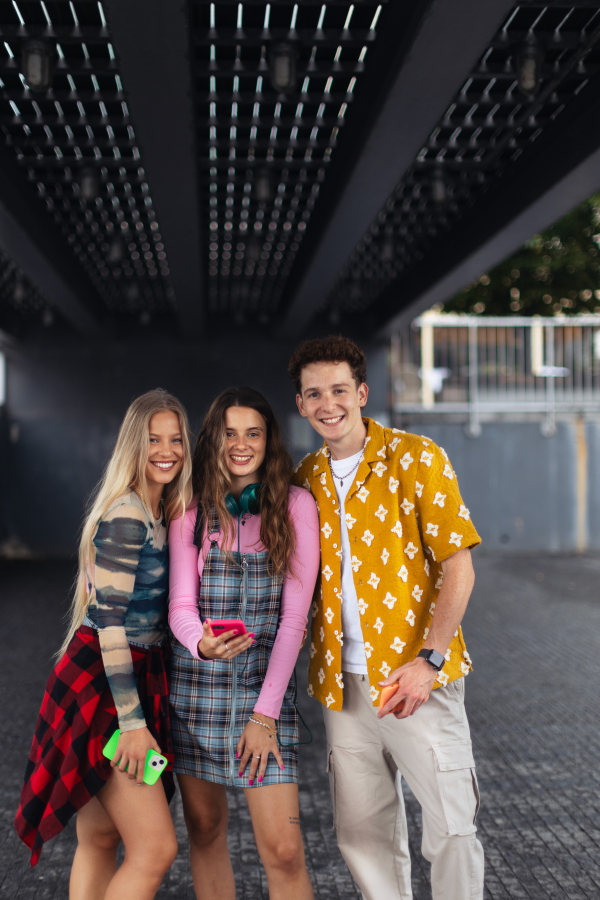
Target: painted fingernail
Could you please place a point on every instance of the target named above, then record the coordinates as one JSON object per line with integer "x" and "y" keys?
{"x": 283, "y": 767}
{"x": 236, "y": 631}
{"x": 251, "y": 782}
{"x": 260, "y": 779}
{"x": 252, "y": 633}
{"x": 240, "y": 774}
{"x": 236, "y": 755}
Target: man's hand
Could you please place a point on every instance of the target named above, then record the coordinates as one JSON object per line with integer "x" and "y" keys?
{"x": 415, "y": 681}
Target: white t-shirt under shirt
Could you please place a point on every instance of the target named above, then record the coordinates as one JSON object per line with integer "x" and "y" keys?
{"x": 353, "y": 648}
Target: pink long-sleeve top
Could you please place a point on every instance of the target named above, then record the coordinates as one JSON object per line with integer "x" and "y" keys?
{"x": 186, "y": 564}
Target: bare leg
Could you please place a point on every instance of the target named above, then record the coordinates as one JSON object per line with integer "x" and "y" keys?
{"x": 206, "y": 814}
{"x": 95, "y": 860}
{"x": 141, "y": 816}
{"x": 276, "y": 820}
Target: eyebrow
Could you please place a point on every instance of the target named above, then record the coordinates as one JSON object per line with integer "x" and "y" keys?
{"x": 337, "y": 385}
{"x": 175, "y": 434}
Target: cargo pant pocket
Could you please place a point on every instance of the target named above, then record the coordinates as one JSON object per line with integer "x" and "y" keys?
{"x": 331, "y": 773}
{"x": 457, "y": 782}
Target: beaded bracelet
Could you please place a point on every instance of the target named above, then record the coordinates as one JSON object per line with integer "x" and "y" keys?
{"x": 270, "y": 729}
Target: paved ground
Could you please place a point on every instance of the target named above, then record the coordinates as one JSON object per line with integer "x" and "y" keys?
{"x": 533, "y": 630}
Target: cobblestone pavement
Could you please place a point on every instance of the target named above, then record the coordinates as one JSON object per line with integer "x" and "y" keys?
{"x": 533, "y": 630}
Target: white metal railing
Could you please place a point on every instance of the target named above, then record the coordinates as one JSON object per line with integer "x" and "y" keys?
{"x": 485, "y": 365}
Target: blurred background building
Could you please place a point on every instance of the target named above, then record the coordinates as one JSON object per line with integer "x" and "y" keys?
{"x": 187, "y": 190}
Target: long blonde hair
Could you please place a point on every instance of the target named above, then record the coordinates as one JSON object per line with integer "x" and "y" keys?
{"x": 126, "y": 469}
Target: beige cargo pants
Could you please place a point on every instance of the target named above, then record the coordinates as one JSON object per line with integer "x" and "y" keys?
{"x": 432, "y": 751}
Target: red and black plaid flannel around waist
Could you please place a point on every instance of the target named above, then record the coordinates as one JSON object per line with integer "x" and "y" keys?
{"x": 66, "y": 767}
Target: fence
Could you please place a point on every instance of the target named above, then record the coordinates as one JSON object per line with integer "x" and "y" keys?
{"x": 487, "y": 366}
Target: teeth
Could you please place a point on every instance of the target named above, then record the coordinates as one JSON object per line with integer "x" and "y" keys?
{"x": 332, "y": 421}
{"x": 167, "y": 465}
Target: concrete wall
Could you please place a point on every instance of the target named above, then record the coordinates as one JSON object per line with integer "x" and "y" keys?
{"x": 65, "y": 404}
{"x": 526, "y": 491}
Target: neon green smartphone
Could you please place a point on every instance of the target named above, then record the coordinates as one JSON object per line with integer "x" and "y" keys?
{"x": 155, "y": 763}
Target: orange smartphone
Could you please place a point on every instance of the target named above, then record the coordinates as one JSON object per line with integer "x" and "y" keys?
{"x": 386, "y": 692}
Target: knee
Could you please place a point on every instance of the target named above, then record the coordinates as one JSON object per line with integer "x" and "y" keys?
{"x": 168, "y": 853}
{"x": 157, "y": 857}
{"x": 206, "y": 826}
{"x": 104, "y": 840}
{"x": 285, "y": 855}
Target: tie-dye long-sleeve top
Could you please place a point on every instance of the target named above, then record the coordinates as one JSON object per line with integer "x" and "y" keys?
{"x": 128, "y": 599}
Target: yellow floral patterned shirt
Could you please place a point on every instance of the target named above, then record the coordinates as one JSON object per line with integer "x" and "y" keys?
{"x": 404, "y": 515}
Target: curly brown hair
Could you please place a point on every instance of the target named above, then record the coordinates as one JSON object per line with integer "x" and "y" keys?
{"x": 335, "y": 348}
{"x": 211, "y": 480}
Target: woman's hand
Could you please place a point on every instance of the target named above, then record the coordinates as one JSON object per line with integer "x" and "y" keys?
{"x": 226, "y": 646}
{"x": 132, "y": 751}
{"x": 255, "y": 745}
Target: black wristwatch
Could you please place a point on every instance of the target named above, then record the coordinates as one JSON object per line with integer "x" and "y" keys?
{"x": 434, "y": 659}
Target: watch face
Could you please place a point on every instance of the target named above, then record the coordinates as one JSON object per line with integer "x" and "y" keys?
{"x": 436, "y": 659}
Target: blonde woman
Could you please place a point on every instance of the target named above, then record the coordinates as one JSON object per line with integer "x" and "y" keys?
{"x": 111, "y": 671}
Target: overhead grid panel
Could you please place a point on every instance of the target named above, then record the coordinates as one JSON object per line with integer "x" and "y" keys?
{"x": 64, "y": 113}
{"x": 537, "y": 62}
{"x": 19, "y": 299}
{"x": 275, "y": 84}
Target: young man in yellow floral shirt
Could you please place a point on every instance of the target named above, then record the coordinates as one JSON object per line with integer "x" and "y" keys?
{"x": 396, "y": 576}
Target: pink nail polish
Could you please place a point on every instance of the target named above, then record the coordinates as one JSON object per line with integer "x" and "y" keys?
{"x": 283, "y": 767}
{"x": 252, "y": 633}
{"x": 236, "y": 755}
{"x": 251, "y": 782}
{"x": 260, "y": 779}
{"x": 236, "y": 632}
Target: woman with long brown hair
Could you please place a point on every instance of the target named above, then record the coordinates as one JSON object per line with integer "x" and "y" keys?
{"x": 248, "y": 553}
{"x": 110, "y": 672}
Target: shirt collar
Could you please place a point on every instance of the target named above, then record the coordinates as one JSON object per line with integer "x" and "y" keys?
{"x": 374, "y": 445}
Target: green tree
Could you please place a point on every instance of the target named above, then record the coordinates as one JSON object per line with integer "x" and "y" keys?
{"x": 556, "y": 271}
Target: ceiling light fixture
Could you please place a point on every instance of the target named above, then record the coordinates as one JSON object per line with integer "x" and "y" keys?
{"x": 529, "y": 67}
{"x": 37, "y": 65}
{"x": 264, "y": 186}
{"x": 88, "y": 183}
{"x": 439, "y": 193}
{"x": 282, "y": 59}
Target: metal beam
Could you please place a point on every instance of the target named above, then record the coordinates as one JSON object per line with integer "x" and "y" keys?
{"x": 548, "y": 182}
{"x": 28, "y": 236}
{"x": 152, "y": 40}
{"x": 446, "y": 48}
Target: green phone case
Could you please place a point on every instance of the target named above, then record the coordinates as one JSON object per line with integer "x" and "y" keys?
{"x": 155, "y": 763}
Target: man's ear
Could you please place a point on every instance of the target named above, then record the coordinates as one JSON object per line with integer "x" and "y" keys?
{"x": 363, "y": 393}
{"x": 300, "y": 406}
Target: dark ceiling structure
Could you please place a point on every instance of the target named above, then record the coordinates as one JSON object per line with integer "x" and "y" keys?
{"x": 281, "y": 166}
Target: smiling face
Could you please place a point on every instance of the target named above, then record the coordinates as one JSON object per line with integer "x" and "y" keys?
{"x": 332, "y": 403}
{"x": 165, "y": 458}
{"x": 245, "y": 445}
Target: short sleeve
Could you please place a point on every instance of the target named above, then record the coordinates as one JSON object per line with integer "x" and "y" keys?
{"x": 444, "y": 520}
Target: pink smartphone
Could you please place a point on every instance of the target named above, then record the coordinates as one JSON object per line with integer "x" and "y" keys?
{"x": 219, "y": 626}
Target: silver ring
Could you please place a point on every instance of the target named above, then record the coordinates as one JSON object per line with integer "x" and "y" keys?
{"x": 227, "y": 648}
{"x": 257, "y": 757}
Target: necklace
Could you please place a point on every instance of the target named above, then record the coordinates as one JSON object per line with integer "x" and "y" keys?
{"x": 341, "y": 478}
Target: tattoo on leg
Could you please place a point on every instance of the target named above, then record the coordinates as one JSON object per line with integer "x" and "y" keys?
{"x": 294, "y": 820}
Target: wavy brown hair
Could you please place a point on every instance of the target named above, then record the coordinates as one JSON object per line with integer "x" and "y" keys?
{"x": 211, "y": 479}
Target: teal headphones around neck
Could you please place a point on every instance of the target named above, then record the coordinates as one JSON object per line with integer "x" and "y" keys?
{"x": 249, "y": 501}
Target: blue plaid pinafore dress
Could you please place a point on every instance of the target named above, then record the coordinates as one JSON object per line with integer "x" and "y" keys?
{"x": 211, "y": 701}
